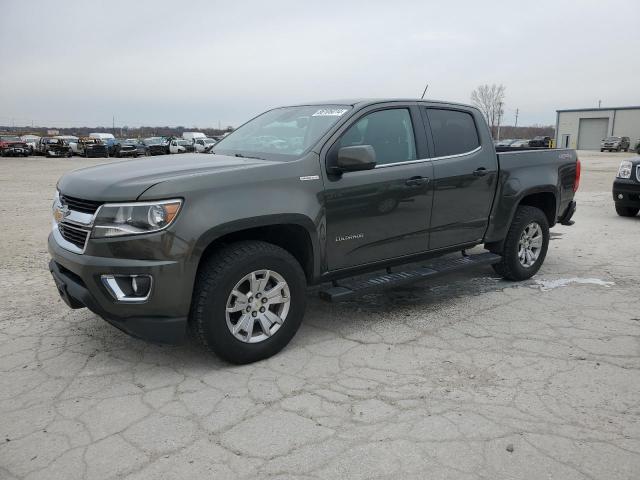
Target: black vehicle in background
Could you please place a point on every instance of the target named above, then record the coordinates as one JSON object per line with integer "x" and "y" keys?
{"x": 126, "y": 148}
{"x": 53, "y": 147}
{"x": 92, "y": 147}
{"x": 626, "y": 188}
{"x": 156, "y": 146}
{"x": 540, "y": 141}
{"x": 12, "y": 146}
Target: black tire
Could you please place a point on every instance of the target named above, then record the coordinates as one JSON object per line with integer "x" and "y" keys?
{"x": 510, "y": 267}
{"x": 627, "y": 211}
{"x": 602, "y": 149}
{"x": 218, "y": 275}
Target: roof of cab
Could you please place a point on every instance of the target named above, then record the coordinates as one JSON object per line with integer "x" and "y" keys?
{"x": 372, "y": 101}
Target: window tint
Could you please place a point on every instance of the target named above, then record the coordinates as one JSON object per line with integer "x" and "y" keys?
{"x": 389, "y": 132}
{"x": 453, "y": 131}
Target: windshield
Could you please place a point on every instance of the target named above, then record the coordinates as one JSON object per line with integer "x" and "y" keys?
{"x": 184, "y": 142}
{"x": 612, "y": 139}
{"x": 153, "y": 140}
{"x": 9, "y": 138}
{"x": 283, "y": 133}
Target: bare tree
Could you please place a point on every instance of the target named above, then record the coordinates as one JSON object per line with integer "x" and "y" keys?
{"x": 489, "y": 99}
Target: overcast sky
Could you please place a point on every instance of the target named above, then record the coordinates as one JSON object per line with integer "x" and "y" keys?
{"x": 197, "y": 63}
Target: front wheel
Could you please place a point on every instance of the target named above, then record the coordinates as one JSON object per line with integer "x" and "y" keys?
{"x": 525, "y": 247}
{"x": 627, "y": 211}
{"x": 249, "y": 301}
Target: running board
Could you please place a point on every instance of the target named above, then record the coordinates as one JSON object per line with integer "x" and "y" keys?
{"x": 434, "y": 269}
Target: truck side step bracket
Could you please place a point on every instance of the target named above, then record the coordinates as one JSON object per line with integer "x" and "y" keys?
{"x": 388, "y": 280}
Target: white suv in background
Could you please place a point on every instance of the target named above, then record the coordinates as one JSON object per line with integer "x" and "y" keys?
{"x": 203, "y": 144}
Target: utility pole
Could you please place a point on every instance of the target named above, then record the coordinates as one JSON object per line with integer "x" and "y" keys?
{"x": 599, "y": 103}
{"x": 113, "y": 124}
{"x": 517, "y": 112}
{"x": 499, "y": 117}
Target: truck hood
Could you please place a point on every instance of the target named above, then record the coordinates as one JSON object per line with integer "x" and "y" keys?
{"x": 126, "y": 180}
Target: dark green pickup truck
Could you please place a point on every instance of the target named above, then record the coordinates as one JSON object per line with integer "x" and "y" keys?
{"x": 224, "y": 245}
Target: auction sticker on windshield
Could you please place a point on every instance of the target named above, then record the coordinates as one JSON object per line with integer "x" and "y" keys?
{"x": 330, "y": 112}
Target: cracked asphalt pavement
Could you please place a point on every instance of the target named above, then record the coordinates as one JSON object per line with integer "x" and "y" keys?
{"x": 465, "y": 377}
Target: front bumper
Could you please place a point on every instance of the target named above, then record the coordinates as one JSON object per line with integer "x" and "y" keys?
{"x": 629, "y": 190}
{"x": 161, "y": 319}
{"x": 57, "y": 153}
{"x": 15, "y": 151}
{"x": 96, "y": 153}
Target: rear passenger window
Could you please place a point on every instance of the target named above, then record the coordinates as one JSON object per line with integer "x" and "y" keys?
{"x": 454, "y": 132}
{"x": 389, "y": 132}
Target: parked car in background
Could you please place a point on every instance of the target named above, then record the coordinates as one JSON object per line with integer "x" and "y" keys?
{"x": 13, "y": 146}
{"x": 521, "y": 143}
{"x": 180, "y": 145}
{"x": 540, "y": 141}
{"x": 126, "y": 148}
{"x": 107, "y": 138}
{"x": 504, "y": 143}
{"x": 70, "y": 140}
{"x": 626, "y": 188}
{"x": 638, "y": 148}
{"x": 193, "y": 135}
{"x": 53, "y": 147}
{"x": 92, "y": 147}
{"x": 141, "y": 148}
{"x": 156, "y": 145}
{"x": 31, "y": 141}
{"x": 202, "y": 144}
{"x": 615, "y": 144}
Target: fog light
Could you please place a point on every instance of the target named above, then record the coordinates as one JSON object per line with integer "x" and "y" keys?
{"x": 128, "y": 288}
{"x": 620, "y": 196}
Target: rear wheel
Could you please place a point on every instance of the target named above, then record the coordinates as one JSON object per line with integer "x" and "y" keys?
{"x": 627, "y": 211}
{"x": 525, "y": 247}
{"x": 249, "y": 301}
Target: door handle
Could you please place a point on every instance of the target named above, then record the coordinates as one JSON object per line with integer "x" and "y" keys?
{"x": 413, "y": 181}
{"x": 480, "y": 172}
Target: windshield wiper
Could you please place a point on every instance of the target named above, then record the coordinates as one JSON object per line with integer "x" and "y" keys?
{"x": 246, "y": 156}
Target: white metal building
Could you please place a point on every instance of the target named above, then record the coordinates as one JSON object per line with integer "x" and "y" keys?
{"x": 584, "y": 128}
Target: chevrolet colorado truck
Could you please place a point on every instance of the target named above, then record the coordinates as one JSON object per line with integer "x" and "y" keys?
{"x": 225, "y": 245}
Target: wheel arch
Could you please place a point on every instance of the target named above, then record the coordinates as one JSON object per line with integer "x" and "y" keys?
{"x": 542, "y": 197}
{"x": 294, "y": 233}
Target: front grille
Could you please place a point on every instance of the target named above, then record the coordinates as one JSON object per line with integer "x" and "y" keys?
{"x": 84, "y": 206}
{"x": 74, "y": 235}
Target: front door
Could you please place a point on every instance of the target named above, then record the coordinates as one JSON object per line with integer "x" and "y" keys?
{"x": 465, "y": 176}
{"x": 381, "y": 213}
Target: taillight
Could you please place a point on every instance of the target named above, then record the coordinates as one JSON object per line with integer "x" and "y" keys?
{"x": 576, "y": 182}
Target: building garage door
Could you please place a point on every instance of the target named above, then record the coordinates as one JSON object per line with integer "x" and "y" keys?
{"x": 591, "y": 131}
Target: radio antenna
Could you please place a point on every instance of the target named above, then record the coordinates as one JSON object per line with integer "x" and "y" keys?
{"x": 425, "y": 91}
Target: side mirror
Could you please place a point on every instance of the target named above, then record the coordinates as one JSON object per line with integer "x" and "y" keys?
{"x": 356, "y": 158}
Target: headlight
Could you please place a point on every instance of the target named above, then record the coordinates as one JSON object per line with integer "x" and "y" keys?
{"x": 624, "y": 171}
{"x": 115, "y": 219}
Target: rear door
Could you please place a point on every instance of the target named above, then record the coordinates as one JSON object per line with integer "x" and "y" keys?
{"x": 382, "y": 213}
{"x": 465, "y": 175}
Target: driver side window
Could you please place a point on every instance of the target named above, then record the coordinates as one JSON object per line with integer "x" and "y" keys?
{"x": 389, "y": 132}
